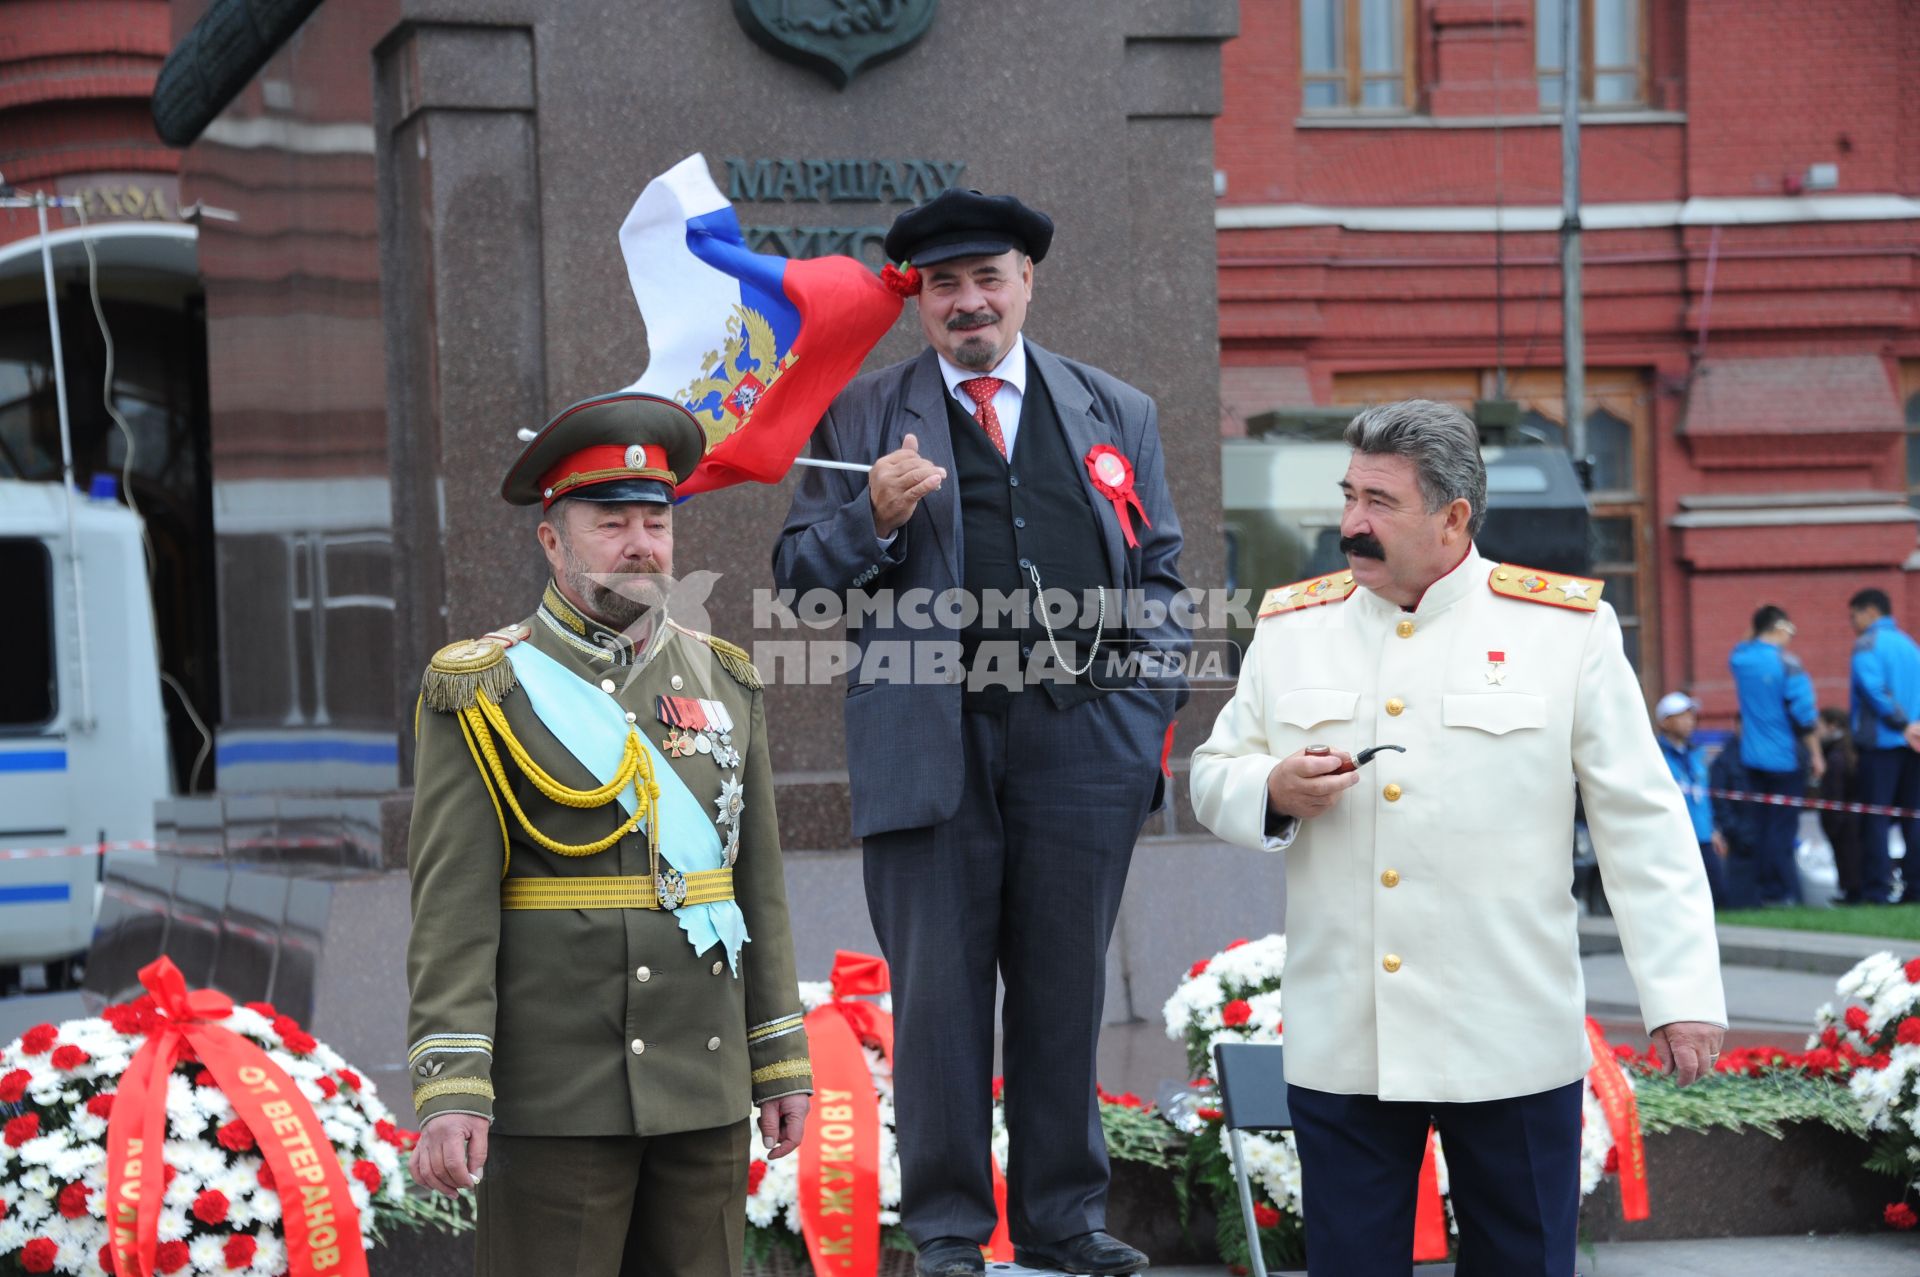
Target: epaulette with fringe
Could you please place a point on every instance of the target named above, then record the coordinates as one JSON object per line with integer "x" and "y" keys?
{"x": 732, "y": 659}
{"x": 459, "y": 672}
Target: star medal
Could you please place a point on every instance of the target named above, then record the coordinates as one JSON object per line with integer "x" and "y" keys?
{"x": 1496, "y": 668}
{"x": 730, "y": 803}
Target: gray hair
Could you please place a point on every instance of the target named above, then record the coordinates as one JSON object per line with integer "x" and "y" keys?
{"x": 1442, "y": 443}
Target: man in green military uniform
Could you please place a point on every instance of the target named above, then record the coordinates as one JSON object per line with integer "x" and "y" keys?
{"x": 601, "y": 969}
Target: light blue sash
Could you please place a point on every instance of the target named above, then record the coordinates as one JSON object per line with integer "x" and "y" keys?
{"x": 594, "y": 730}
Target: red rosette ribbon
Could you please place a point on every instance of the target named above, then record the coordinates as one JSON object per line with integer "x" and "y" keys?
{"x": 1113, "y": 478}
{"x": 1623, "y": 1119}
{"x": 839, "y": 1172}
{"x": 318, "y": 1218}
{"x": 902, "y": 280}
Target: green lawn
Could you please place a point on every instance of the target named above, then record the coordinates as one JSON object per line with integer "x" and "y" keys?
{"x": 1896, "y": 922}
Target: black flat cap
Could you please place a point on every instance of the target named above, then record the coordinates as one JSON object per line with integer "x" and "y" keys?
{"x": 967, "y": 224}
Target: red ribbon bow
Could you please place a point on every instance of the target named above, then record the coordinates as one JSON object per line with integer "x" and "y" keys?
{"x": 839, "y": 1174}
{"x": 320, "y": 1223}
{"x": 1113, "y": 477}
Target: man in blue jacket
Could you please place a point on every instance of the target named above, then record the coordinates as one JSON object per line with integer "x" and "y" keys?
{"x": 1676, "y": 717}
{"x": 1886, "y": 696}
{"x": 1777, "y": 714}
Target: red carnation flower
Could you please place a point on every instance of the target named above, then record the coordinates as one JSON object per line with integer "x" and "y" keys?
{"x": 238, "y": 1251}
{"x": 21, "y": 1129}
{"x": 1236, "y": 944}
{"x": 263, "y": 1008}
{"x": 1265, "y": 1216}
{"x": 1236, "y": 1013}
{"x": 1913, "y": 970}
{"x": 38, "y": 1040}
{"x": 902, "y": 280}
{"x": 1279, "y": 1026}
{"x": 1875, "y": 1062}
{"x": 205, "y": 1078}
{"x": 3, "y": 1208}
{"x": 1830, "y": 1037}
{"x": 298, "y": 1042}
{"x": 1198, "y": 969}
{"x": 1208, "y": 1114}
{"x": 69, "y": 1057}
{"x": 37, "y": 1255}
{"x": 1612, "y": 1166}
{"x": 367, "y": 1173}
{"x": 348, "y": 1078}
{"x": 73, "y": 1201}
{"x": 999, "y": 1087}
{"x": 328, "y": 1087}
{"x": 166, "y": 1176}
{"x": 235, "y": 1136}
{"x": 266, "y": 1177}
{"x": 106, "y": 1257}
{"x": 1900, "y": 1215}
{"x": 101, "y": 1105}
{"x": 211, "y": 1206}
{"x": 1908, "y": 1034}
{"x": 14, "y": 1085}
{"x": 171, "y": 1257}
{"x": 1857, "y": 1019}
{"x": 756, "y": 1172}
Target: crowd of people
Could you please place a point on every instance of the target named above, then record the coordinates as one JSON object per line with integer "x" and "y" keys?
{"x": 1785, "y": 746}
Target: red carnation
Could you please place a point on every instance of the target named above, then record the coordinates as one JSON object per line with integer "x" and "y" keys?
{"x": 1612, "y": 1166}
{"x": 266, "y": 1177}
{"x": 1913, "y": 970}
{"x": 1236, "y": 1013}
{"x": 1830, "y": 1037}
{"x": 73, "y": 1201}
{"x": 1877, "y": 1061}
{"x": 999, "y": 1087}
{"x": 1900, "y": 1215}
{"x": 328, "y": 1087}
{"x": 263, "y": 1008}
{"x": 14, "y": 1085}
{"x": 3, "y": 1208}
{"x": 1208, "y": 1114}
{"x": 21, "y": 1129}
{"x": 298, "y": 1042}
{"x": 106, "y": 1257}
{"x": 101, "y": 1105}
{"x": 1236, "y": 944}
{"x": 238, "y": 1251}
{"x": 348, "y": 1078}
{"x": 1265, "y": 1216}
{"x": 756, "y": 1172}
{"x": 1908, "y": 1034}
{"x": 902, "y": 280}
{"x": 69, "y": 1057}
{"x": 166, "y": 1176}
{"x": 1198, "y": 969}
{"x": 37, "y": 1255}
{"x": 171, "y": 1257}
{"x": 38, "y": 1040}
{"x": 1857, "y": 1019}
{"x": 1278, "y": 1025}
{"x": 367, "y": 1173}
{"x": 204, "y": 1078}
{"x": 211, "y": 1206}
{"x": 235, "y": 1136}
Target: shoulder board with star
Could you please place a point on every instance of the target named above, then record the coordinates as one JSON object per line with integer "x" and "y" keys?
{"x": 459, "y": 672}
{"x": 1315, "y": 591}
{"x": 1555, "y": 589}
{"x": 733, "y": 660}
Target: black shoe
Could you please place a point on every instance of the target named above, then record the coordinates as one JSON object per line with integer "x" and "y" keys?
{"x": 951, "y": 1257}
{"x": 1095, "y": 1254}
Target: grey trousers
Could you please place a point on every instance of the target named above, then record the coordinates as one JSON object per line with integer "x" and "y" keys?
{"x": 1025, "y": 881}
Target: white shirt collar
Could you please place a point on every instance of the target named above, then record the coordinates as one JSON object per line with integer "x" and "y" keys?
{"x": 1011, "y": 369}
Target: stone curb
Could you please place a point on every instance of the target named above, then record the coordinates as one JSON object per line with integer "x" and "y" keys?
{"x": 1812, "y": 952}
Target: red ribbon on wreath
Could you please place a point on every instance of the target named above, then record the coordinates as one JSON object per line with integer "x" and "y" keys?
{"x": 1623, "y": 1119}
{"x": 318, "y": 1218}
{"x": 839, "y": 1172}
{"x": 1113, "y": 477}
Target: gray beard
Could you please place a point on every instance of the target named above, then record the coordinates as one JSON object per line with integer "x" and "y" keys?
{"x": 977, "y": 357}
{"x": 608, "y": 604}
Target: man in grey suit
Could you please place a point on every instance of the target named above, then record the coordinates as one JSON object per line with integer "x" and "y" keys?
{"x": 1002, "y": 759}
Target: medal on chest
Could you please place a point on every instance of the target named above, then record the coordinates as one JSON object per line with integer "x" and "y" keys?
{"x": 730, "y": 803}
{"x": 1496, "y": 668}
{"x": 698, "y": 727}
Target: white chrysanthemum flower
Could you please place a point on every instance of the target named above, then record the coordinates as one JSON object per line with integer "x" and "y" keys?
{"x": 208, "y": 1253}
{"x": 173, "y": 1225}
{"x": 71, "y": 1163}
{"x": 37, "y": 1180}
{"x": 271, "y": 1257}
{"x": 13, "y": 1234}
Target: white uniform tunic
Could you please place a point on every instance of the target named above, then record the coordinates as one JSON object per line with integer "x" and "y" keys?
{"x": 1432, "y": 946}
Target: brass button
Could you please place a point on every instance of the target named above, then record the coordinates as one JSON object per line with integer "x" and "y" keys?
{"x": 1391, "y": 793}
{"x": 1390, "y": 963}
{"x": 677, "y": 684}
{"x": 1391, "y": 878}
{"x": 637, "y": 1047}
{"x": 1404, "y": 629}
{"x": 606, "y": 685}
{"x": 643, "y": 974}
{"x": 718, "y": 967}
{"x": 713, "y": 1044}
{"x": 1395, "y": 706}
{"x": 632, "y": 717}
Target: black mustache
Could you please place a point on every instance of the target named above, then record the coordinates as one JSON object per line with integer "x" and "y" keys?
{"x": 1364, "y": 546}
{"x": 966, "y": 323}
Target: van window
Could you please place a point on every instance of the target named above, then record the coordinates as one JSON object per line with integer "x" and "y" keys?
{"x": 26, "y": 582}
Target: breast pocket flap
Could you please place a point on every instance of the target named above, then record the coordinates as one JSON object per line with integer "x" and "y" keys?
{"x": 1495, "y": 712}
{"x": 1310, "y": 706}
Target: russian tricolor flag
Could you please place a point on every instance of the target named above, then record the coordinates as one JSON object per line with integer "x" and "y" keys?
{"x": 755, "y": 346}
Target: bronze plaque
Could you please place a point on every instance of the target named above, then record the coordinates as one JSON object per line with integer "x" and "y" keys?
{"x": 837, "y": 38}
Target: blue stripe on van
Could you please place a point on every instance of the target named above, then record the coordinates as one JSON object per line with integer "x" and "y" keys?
{"x": 370, "y": 753}
{"x": 34, "y": 893}
{"x": 34, "y": 760}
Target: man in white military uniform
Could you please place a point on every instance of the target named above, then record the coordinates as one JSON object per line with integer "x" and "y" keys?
{"x": 1433, "y": 969}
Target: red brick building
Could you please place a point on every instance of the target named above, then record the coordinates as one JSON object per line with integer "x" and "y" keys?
{"x": 1389, "y": 180}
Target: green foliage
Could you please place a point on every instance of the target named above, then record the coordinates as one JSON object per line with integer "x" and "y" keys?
{"x": 423, "y": 1209}
{"x": 1140, "y": 1135}
{"x": 1896, "y": 922}
{"x": 1736, "y": 1102}
{"x": 1207, "y": 1176}
{"x": 1890, "y": 1156}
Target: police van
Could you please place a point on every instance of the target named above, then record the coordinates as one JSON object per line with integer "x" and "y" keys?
{"x": 83, "y": 737}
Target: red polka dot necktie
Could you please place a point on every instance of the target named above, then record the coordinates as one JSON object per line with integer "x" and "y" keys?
{"x": 982, "y": 390}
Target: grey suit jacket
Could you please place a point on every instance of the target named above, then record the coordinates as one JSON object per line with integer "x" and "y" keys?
{"x": 903, "y": 737}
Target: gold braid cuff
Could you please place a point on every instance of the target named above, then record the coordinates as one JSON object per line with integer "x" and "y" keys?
{"x": 784, "y": 1069}
{"x": 452, "y": 1086}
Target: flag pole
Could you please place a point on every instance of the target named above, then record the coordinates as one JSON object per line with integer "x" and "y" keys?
{"x": 831, "y": 465}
